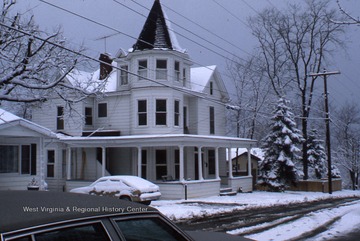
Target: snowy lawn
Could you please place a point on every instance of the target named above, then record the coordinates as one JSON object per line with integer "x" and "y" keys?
{"x": 347, "y": 216}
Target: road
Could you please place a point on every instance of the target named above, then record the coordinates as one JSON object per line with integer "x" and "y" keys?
{"x": 273, "y": 217}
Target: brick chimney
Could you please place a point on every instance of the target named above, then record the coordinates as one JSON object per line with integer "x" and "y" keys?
{"x": 105, "y": 66}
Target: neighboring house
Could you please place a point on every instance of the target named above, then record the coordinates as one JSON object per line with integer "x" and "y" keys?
{"x": 23, "y": 151}
{"x": 159, "y": 118}
{"x": 240, "y": 163}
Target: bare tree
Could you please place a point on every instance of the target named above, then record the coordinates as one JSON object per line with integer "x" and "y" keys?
{"x": 295, "y": 43}
{"x": 348, "y": 138}
{"x": 349, "y": 19}
{"x": 252, "y": 97}
{"x": 33, "y": 64}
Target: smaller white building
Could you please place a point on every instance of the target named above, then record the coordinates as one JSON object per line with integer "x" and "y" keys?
{"x": 23, "y": 152}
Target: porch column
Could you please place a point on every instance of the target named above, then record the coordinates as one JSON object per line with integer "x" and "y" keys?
{"x": 68, "y": 163}
{"x": 217, "y": 176}
{"x": 249, "y": 161}
{"x": 103, "y": 163}
{"x": 230, "y": 163}
{"x": 139, "y": 161}
{"x": 200, "y": 164}
{"x": 181, "y": 163}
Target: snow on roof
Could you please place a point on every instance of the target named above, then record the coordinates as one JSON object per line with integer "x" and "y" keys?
{"x": 9, "y": 118}
{"x": 174, "y": 41}
{"x": 157, "y": 32}
{"x": 254, "y": 151}
{"x": 89, "y": 81}
{"x": 6, "y": 116}
{"x": 200, "y": 76}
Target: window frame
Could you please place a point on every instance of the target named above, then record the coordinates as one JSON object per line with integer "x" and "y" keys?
{"x": 124, "y": 75}
{"x": 142, "y": 113}
{"x": 50, "y": 163}
{"x": 102, "y": 113}
{"x": 44, "y": 229}
{"x": 161, "y": 72}
{"x": 160, "y": 114}
{"x": 212, "y": 120}
{"x": 88, "y": 117}
{"x": 17, "y": 160}
{"x": 161, "y": 165}
{"x": 142, "y": 69}
{"x": 60, "y": 123}
{"x": 177, "y": 71}
{"x": 177, "y": 113}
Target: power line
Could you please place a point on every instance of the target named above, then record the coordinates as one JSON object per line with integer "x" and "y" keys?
{"x": 120, "y": 32}
{"x": 193, "y": 41}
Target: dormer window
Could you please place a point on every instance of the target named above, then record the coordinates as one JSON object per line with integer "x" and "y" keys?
{"x": 177, "y": 71}
{"x": 124, "y": 76}
{"x": 142, "y": 70}
{"x": 161, "y": 69}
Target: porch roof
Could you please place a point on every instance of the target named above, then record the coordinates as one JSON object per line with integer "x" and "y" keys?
{"x": 158, "y": 140}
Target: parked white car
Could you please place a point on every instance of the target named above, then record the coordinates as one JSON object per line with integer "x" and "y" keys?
{"x": 130, "y": 188}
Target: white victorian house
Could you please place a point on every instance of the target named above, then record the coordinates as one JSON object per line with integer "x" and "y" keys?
{"x": 159, "y": 119}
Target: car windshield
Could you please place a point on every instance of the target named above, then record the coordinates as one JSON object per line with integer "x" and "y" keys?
{"x": 150, "y": 229}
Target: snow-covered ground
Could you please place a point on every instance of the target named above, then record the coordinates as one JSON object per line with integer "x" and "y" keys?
{"x": 347, "y": 217}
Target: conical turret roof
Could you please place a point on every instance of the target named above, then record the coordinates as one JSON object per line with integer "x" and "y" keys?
{"x": 156, "y": 33}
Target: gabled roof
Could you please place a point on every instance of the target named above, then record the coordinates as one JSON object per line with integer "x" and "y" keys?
{"x": 200, "y": 77}
{"x": 157, "y": 32}
{"x": 8, "y": 119}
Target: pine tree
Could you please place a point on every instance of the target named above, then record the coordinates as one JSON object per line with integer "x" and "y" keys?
{"x": 278, "y": 170}
{"x": 316, "y": 154}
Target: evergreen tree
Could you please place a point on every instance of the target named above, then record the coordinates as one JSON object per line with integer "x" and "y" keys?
{"x": 278, "y": 170}
{"x": 316, "y": 154}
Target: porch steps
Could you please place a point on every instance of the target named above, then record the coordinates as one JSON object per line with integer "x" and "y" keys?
{"x": 227, "y": 191}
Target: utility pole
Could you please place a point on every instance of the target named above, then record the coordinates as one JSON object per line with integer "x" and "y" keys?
{"x": 327, "y": 121}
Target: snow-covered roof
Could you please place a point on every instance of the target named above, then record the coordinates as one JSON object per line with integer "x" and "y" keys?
{"x": 157, "y": 32}
{"x": 90, "y": 80}
{"x": 9, "y": 119}
{"x": 254, "y": 151}
{"x": 200, "y": 76}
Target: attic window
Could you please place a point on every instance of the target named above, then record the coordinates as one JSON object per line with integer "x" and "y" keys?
{"x": 211, "y": 88}
{"x": 161, "y": 69}
{"x": 142, "y": 70}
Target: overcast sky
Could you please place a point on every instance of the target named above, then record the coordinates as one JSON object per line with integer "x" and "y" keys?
{"x": 224, "y": 18}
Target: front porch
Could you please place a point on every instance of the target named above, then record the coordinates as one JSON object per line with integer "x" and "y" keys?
{"x": 182, "y": 170}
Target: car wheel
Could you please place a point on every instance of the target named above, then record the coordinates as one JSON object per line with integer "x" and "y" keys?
{"x": 126, "y": 198}
{"x": 146, "y": 202}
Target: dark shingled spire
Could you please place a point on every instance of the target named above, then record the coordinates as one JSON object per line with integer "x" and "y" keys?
{"x": 155, "y": 33}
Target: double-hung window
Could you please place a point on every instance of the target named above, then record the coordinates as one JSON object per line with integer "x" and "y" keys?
{"x": 160, "y": 112}
{"x": 102, "y": 110}
{"x": 51, "y": 163}
{"x": 142, "y": 113}
{"x": 143, "y": 69}
{"x": 212, "y": 119}
{"x": 88, "y": 116}
{"x": 161, "y": 69}
{"x": 177, "y": 71}
{"x": 124, "y": 76}
{"x": 60, "y": 118}
{"x": 176, "y": 113}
